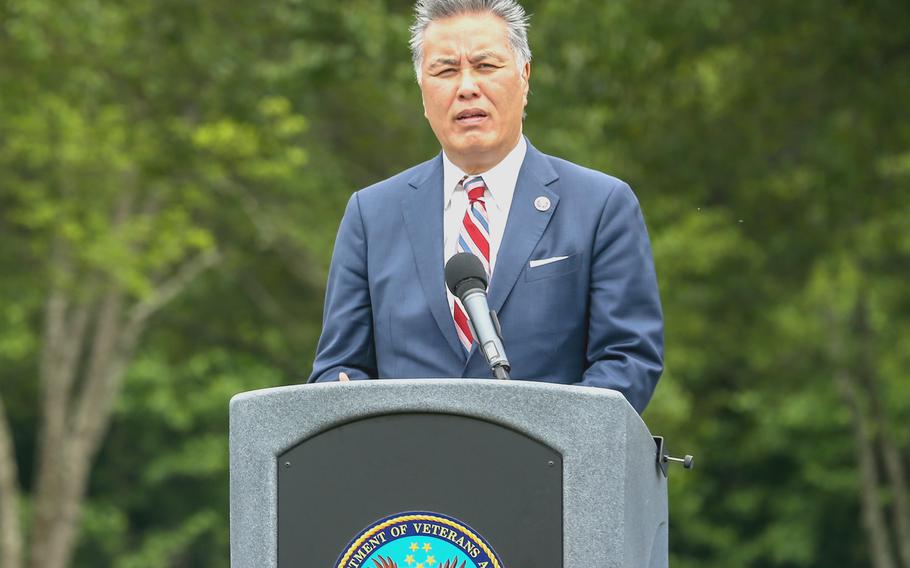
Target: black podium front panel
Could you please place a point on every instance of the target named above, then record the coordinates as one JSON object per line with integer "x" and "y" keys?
{"x": 503, "y": 485}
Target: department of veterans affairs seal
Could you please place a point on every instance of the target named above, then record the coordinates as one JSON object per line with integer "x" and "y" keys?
{"x": 418, "y": 540}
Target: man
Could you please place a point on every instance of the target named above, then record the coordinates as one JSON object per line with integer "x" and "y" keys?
{"x": 572, "y": 277}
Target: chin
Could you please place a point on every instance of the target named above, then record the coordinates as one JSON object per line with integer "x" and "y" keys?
{"x": 473, "y": 144}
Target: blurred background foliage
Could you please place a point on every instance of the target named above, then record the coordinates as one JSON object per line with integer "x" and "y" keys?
{"x": 212, "y": 145}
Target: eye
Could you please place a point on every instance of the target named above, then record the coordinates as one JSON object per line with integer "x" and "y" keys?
{"x": 448, "y": 71}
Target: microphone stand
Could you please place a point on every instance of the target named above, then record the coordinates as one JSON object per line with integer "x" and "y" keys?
{"x": 502, "y": 367}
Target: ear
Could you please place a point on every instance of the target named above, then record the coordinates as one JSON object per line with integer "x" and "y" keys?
{"x": 423, "y": 102}
{"x": 526, "y": 77}
{"x": 423, "y": 99}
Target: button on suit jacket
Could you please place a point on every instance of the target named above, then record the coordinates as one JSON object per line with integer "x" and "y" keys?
{"x": 574, "y": 285}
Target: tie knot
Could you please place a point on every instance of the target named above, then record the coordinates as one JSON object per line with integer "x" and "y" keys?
{"x": 475, "y": 188}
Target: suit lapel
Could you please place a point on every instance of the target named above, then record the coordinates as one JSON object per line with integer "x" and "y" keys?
{"x": 422, "y": 212}
{"x": 525, "y": 224}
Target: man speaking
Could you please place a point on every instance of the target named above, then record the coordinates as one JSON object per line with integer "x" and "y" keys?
{"x": 565, "y": 248}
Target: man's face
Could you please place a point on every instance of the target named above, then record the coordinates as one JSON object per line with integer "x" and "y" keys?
{"x": 474, "y": 94}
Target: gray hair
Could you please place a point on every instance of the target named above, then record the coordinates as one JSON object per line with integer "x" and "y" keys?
{"x": 511, "y": 12}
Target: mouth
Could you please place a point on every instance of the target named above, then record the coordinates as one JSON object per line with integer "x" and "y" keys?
{"x": 471, "y": 116}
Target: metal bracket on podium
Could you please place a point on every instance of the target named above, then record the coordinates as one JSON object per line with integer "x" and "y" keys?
{"x": 664, "y": 459}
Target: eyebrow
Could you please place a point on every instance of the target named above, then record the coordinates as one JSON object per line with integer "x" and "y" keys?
{"x": 440, "y": 61}
{"x": 483, "y": 55}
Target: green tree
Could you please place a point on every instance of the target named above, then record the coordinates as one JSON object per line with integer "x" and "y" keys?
{"x": 172, "y": 175}
{"x": 766, "y": 142}
{"x": 132, "y": 165}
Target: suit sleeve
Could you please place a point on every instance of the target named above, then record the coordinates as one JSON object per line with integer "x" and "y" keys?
{"x": 346, "y": 343}
{"x": 625, "y": 323}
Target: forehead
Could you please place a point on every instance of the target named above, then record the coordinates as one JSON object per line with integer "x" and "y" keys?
{"x": 466, "y": 33}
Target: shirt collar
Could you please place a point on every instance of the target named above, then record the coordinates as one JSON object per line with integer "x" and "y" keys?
{"x": 500, "y": 179}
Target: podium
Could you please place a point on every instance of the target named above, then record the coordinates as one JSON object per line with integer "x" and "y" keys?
{"x": 438, "y": 473}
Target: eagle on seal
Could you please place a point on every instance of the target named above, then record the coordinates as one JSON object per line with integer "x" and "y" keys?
{"x": 389, "y": 563}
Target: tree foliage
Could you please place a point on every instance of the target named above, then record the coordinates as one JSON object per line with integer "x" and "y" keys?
{"x": 171, "y": 178}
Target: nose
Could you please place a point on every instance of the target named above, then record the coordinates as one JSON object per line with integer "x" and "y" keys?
{"x": 467, "y": 86}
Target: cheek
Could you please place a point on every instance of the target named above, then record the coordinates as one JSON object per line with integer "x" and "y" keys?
{"x": 516, "y": 102}
{"x": 435, "y": 101}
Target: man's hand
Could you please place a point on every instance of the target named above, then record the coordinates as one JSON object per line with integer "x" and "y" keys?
{"x": 343, "y": 377}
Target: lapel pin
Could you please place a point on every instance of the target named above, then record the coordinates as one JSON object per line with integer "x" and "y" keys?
{"x": 542, "y": 203}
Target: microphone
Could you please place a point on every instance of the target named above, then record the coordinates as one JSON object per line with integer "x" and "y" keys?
{"x": 467, "y": 280}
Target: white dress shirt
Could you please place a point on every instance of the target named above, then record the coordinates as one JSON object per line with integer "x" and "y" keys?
{"x": 500, "y": 181}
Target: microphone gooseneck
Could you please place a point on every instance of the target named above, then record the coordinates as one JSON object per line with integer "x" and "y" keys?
{"x": 467, "y": 280}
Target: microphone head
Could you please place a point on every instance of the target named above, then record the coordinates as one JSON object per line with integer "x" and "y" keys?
{"x": 464, "y": 272}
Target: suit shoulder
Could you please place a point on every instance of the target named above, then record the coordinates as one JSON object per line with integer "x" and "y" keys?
{"x": 573, "y": 172}
{"x": 400, "y": 182}
{"x": 589, "y": 182}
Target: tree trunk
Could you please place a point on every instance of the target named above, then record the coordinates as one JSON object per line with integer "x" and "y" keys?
{"x": 891, "y": 457}
{"x": 873, "y": 517}
{"x": 57, "y": 508}
{"x": 63, "y": 338}
{"x": 75, "y": 420}
{"x": 10, "y": 527}
{"x": 898, "y": 478}
{"x": 874, "y": 524}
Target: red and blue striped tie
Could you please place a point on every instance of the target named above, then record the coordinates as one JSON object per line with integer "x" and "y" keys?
{"x": 474, "y": 238}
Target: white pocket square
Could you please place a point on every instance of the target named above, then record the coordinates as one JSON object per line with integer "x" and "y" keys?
{"x": 544, "y": 261}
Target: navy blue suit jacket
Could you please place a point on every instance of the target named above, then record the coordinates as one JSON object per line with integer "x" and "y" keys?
{"x": 593, "y": 318}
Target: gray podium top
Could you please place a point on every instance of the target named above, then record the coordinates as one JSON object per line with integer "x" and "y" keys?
{"x": 615, "y": 498}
